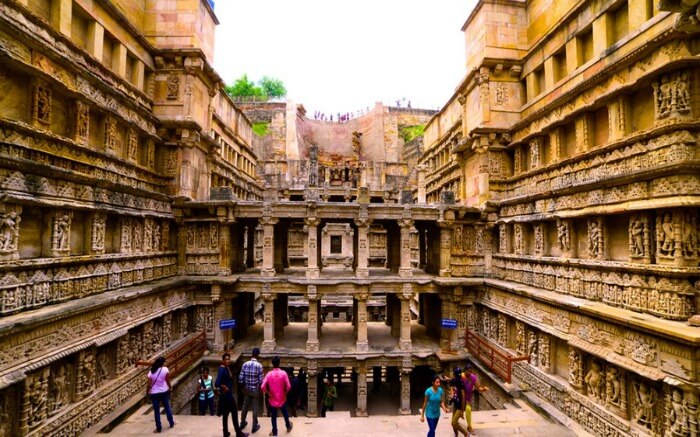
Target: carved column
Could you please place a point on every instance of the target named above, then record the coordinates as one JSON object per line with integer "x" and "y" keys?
{"x": 555, "y": 151}
{"x": 362, "y": 270}
{"x": 312, "y": 388}
{"x": 406, "y": 226}
{"x": 9, "y": 231}
{"x": 405, "y": 391}
{"x": 85, "y": 374}
{"x": 421, "y": 172}
{"x": 312, "y": 339}
{"x": 60, "y": 237}
{"x": 617, "y": 118}
{"x": 269, "y": 342}
{"x": 220, "y": 309}
{"x": 540, "y": 248}
{"x": 503, "y": 238}
{"x": 405, "y": 332}
{"x": 517, "y": 160}
{"x": 268, "y": 264}
{"x": 362, "y": 344}
{"x": 312, "y": 270}
{"x": 445, "y": 247}
{"x": 361, "y": 410}
{"x": 519, "y": 239}
{"x": 225, "y": 222}
{"x": 582, "y": 132}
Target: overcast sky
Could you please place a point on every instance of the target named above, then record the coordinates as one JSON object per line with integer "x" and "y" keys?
{"x": 344, "y": 55}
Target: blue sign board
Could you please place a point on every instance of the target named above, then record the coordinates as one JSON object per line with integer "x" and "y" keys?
{"x": 227, "y": 323}
{"x": 449, "y": 323}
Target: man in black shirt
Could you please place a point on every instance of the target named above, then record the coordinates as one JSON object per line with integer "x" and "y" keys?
{"x": 457, "y": 399}
{"x": 227, "y": 402}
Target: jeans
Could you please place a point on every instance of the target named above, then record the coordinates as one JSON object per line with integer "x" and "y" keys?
{"x": 157, "y": 399}
{"x": 273, "y": 417}
{"x": 432, "y": 425}
{"x": 228, "y": 405}
{"x": 203, "y": 403}
{"x": 456, "y": 426}
{"x": 250, "y": 398}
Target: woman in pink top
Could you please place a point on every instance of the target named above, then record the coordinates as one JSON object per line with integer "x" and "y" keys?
{"x": 159, "y": 391}
{"x": 276, "y": 385}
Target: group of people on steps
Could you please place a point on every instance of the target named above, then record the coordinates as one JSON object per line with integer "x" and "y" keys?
{"x": 461, "y": 396}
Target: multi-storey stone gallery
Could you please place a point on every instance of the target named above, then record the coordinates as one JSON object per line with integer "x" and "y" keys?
{"x": 551, "y": 211}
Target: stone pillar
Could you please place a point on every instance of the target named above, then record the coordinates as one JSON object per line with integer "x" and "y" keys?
{"x": 181, "y": 246}
{"x": 582, "y": 127}
{"x": 362, "y": 270}
{"x": 445, "y": 247}
{"x": 222, "y": 337}
{"x": 312, "y": 340}
{"x": 361, "y": 410}
{"x": 224, "y": 247}
{"x": 405, "y": 392}
{"x": 119, "y": 60}
{"x": 312, "y": 270}
{"x": 421, "y": 171}
{"x": 405, "y": 270}
{"x": 602, "y": 31}
{"x": 362, "y": 343}
{"x": 617, "y": 118}
{"x": 269, "y": 343}
{"x": 405, "y": 332}
{"x": 268, "y": 263}
{"x": 312, "y": 405}
{"x": 446, "y": 334}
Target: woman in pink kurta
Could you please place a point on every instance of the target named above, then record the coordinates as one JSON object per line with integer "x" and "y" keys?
{"x": 276, "y": 385}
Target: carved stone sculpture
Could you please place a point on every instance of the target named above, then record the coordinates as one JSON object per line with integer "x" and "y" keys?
{"x": 132, "y": 145}
{"x": 544, "y": 351}
{"x": 594, "y": 381}
{"x": 612, "y": 386}
{"x": 110, "y": 134}
{"x": 60, "y": 241}
{"x": 97, "y": 242}
{"x": 539, "y": 248}
{"x": 595, "y": 238}
{"x": 36, "y": 400}
{"x": 678, "y": 417}
{"x": 532, "y": 348}
{"x": 520, "y": 337}
{"x": 689, "y": 236}
{"x": 575, "y": 368}
{"x": 564, "y": 235}
{"x": 518, "y": 239}
{"x": 672, "y": 95}
{"x": 9, "y": 233}
{"x": 58, "y": 386}
{"x": 82, "y": 121}
{"x": 645, "y": 399}
{"x": 637, "y": 233}
{"x": 665, "y": 235}
{"x": 41, "y": 107}
{"x": 173, "y": 87}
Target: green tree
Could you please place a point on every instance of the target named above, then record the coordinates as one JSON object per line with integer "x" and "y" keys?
{"x": 272, "y": 87}
{"x": 243, "y": 87}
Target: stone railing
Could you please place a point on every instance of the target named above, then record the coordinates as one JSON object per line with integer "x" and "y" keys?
{"x": 669, "y": 298}
{"x": 467, "y": 265}
{"x": 44, "y": 285}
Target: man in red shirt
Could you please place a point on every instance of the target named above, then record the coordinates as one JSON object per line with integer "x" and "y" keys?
{"x": 276, "y": 385}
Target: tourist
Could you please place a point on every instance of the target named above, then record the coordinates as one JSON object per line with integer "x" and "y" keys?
{"x": 293, "y": 395}
{"x": 227, "y": 402}
{"x": 276, "y": 384}
{"x": 251, "y": 377}
{"x": 329, "y": 396}
{"x": 159, "y": 390}
{"x": 431, "y": 405}
{"x": 457, "y": 399}
{"x": 303, "y": 389}
{"x": 470, "y": 382}
{"x": 206, "y": 392}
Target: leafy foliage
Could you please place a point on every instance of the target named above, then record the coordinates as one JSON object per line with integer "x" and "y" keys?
{"x": 266, "y": 87}
{"x": 408, "y": 133}
{"x": 260, "y": 128}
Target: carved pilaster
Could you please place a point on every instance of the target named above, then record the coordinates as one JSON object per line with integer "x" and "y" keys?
{"x": 520, "y": 338}
{"x": 517, "y": 160}
{"x": 132, "y": 145}
{"x": 312, "y": 406}
{"x": 582, "y": 132}
{"x": 519, "y": 246}
{"x": 361, "y": 391}
{"x": 503, "y": 238}
{"x": 363, "y": 250}
{"x": 540, "y": 238}
{"x": 60, "y": 237}
{"x": 555, "y": 152}
{"x": 312, "y": 270}
{"x": 405, "y": 331}
{"x": 406, "y": 226}
{"x": 268, "y": 249}
{"x": 269, "y": 342}
{"x": 445, "y": 247}
{"x": 405, "y": 408}
{"x": 362, "y": 344}
{"x": 312, "y": 338}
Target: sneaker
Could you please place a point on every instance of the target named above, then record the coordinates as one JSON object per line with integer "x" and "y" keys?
{"x": 289, "y": 428}
{"x": 255, "y": 429}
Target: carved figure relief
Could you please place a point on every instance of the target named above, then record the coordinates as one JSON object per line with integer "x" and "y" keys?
{"x": 86, "y": 373}
{"x": 148, "y": 235}
{"x": 97, "y": 241}
{"x": 518, "y": 239}
{"x": 613, "y": 386}
{"x": 9, "y": 232}
{"x": 520, "y": 339}
{"x": 170, "y": 166}
{"x": 457, "y": 239}
{"x": 679, "y": 412}
{"x": 132, "y": 145}
{"x": 594, "y": 381}
{"x": 672, "y": 95}
{"x": 82, "y": 121}
{"x": 173, "y": 87}
{"x": 41, "y": 105}
{"x": 646, "y": 399}
{"x": 36, "y": 399}
{"x": 689, "y": 229}
{"x": 503, "y": 238}
{"x": 60, "y": 242}
{"x": 58, "y": 389}
{"x": 539, "y": 239}
{"x": 156, "y": 237}
{"x": 501, "y": 93}
{"x": 517, "y": 161}
{"x": 544, "y": 351}
{"x": 532, "y": 347}
{"x": 575, "y": 368}
{"x": 638, "y": 232}
{"x": 150, "y": 154}
{"x": 137, "y": 236}
{"x": 110, "y": 133}
{"x": 595, "y": 237}
{"x": 125, "y": 240}
{"x": 535, "y": 154}
{"x": 502, "y": 330}
{"x": 665, "y": 235}
{"x": 564, "y": 235}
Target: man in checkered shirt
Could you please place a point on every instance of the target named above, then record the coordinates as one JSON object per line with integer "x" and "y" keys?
{"x": 251, "y": 377}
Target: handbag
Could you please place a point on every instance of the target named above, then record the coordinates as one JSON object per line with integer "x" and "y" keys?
{"x": 148, "y": 389}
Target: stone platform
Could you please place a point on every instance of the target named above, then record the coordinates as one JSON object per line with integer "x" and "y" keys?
{"x": 521, "y": 421}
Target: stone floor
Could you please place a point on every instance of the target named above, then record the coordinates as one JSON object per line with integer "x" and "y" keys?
{"x": 520, "y": 420}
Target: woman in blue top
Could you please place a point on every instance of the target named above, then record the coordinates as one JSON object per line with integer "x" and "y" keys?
{"x": 432, "y": 403}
